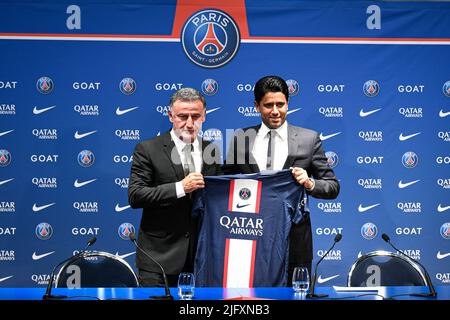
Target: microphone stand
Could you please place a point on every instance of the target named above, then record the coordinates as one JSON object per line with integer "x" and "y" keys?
{"x": 48, "y": 291}
{"x": 313, "y": 295}
{"x": 432, "y": 292}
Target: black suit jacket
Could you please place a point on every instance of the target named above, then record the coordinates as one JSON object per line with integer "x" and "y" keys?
{"x": 167, "y": 231}
{"x": 304, "y": 151}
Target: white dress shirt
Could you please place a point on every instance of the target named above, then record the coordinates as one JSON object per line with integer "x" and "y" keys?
{"x": 261, "y": 145}
{"x": 196, "y": 156}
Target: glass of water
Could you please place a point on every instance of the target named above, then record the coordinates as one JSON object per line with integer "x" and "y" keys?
{"x": 300, "y": 280}
{"x": 186, "y": 285}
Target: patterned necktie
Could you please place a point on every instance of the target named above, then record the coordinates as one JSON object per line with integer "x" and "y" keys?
{"x": 188, "y": 165}
{"x": 270, "y": 150}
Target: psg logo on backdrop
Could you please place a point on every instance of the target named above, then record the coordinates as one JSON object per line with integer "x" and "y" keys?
{"x": 210, "y": 87}
{"x": 86, "y": 158}
{"x": 445, "y": 230}
{"x": 125, "y": 229}
{"x": 44, "y": 85}
{"x": 127, "y": 86}
{"x": 332, "y": 159}
{"x": 369, "y": 231}
{"x": 446, "y": 88}
{"x": 244, "y": 193}
{"x": 371, "y": 88}
{"x": 293, "y": 87}
{"x": 5, "y": 158}
{"x": 410, "y": 159}
{"x": 44, "y": 231}
{"x": 210, "y": 38}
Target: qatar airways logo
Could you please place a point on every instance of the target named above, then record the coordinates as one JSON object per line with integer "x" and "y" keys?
{"x": 164, "y": 110}
{"x": 443, "y": 277}
{"x": 413, "y": 253}
{"x": 45, "y": 134}
{"x": 243, "y": 225}
{"x": 410, "y": 207}
{"x": 411, "y": 112}
{"x": 87, "y": 109}
{"x": 41, "y": 279}
{"x": 248, "y": 111}
{"x": 371, "y": 136}
{"x": 7, "y": 206}
{"x": 7, "y": 109}
{"x": 7, "y": 255}
{"x": 444, "y": 135}
{"x": 121, "y": 182}
{"x": 45, "y": 182}
{"x": 332, "y": 112}
{"x": 86, "y": 207}
{"x": 370, "y": 183}
{"x": 443, "y": 183}
{"x": 332, "y": 255}
{"x": 330, "y": 207}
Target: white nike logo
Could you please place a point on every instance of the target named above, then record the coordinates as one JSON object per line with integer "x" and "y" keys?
{"x": 364, "y": 209}
{"x": 120, "y": 209}
{"x": 323, "y": 280}
{"x": 6, "y": 181}
{"x": 77, "y": 184}
{"x": 82, "y": 135}
{"x": 123, "y": 256}
{"x": 403, "y": 138}
{"x": 121, "y": 112}
{"x": 5, "y": 278}
{"x": 442, "y": 209}
{"x": 212, "y": 110}
{"x": 293, "y": 110}
{"x": 39, "y": 111}
{"x": 39, "y": 208}
{"x": 322, "y": 137}
{"x": 40, "y": 256}
{"x": 363, "y": 114}
{"x": 443, "y": 114}
{"x": 5, "y": 132}
{"x": 440, "y": 255}
{"x": 402, "y": 185}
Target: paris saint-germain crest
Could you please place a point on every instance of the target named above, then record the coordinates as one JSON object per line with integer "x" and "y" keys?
{"x": 210, "y": 38}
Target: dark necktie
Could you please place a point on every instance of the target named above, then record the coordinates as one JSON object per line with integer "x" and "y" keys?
{"x": 188, "y": 165}
{"x": 270, "y": 150}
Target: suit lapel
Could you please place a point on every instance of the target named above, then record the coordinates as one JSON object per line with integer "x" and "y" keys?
{"x": 293, "y": 145}
{"x": 170, "y": 151}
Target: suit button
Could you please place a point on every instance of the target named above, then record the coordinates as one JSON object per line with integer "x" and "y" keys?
{"x": 187, "y": 234}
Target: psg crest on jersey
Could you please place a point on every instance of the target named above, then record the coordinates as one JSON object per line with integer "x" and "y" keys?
{"x": 244, "y": 193}
{"x": 210, "y": 38}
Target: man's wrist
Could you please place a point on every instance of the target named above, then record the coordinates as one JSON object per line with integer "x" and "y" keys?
{"x": 313, "y": 183}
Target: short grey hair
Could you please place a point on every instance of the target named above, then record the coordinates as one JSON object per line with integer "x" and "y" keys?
{"x": 187, "y": 95}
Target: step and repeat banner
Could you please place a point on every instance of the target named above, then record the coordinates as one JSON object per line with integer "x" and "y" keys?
{"x": 82, "y": 83}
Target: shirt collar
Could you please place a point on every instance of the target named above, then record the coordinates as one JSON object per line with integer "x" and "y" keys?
{"x": 281, "y": 130}
{"x": 180, "y": 143}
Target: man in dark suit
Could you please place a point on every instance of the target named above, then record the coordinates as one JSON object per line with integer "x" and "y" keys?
{"x": 165, "y": 172}
{"x": 276, "y": 145}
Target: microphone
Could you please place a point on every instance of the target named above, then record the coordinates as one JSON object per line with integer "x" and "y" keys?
{"x": 432, "y": 292}
{"x": 48, "y": 292}
{"x": 168, "y": 296}
{"x": 311, "y": 294}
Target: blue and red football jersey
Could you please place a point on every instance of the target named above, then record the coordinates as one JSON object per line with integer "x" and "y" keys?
{"x": 244, "y": 224}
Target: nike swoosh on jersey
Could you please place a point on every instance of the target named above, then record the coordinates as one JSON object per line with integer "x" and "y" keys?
{"x": 5, "y": 278}
{"x": 6, "y": 181}
{"x": 119, "y": 208}
{"x": 82, "y": 135}
{"x": 242, "y": 205}
{"x": 402, "y": 185}
{"x": 40, "y": 256}
{"x": 39, "y": 111}
{"x": 293, "y": 110}
{"x": 77, "y": 184}
{"x": 442, "y": 209}
{"x": 440, "y": 255}
{"x": 443, "y": 114}
{"x": 39, "y": 208}
{"x": 5, "y": 132}
{"x": 403, "y": 138}
{"x": 121, "y": 112}
{"x": 322, "y": 137}
{"x": 123, "y": 256}
{"x": 323, "y": 280}
{"x": 212, "y": 110}
{"x": 364, "y": 209}
{"x": 363, "y": 113}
